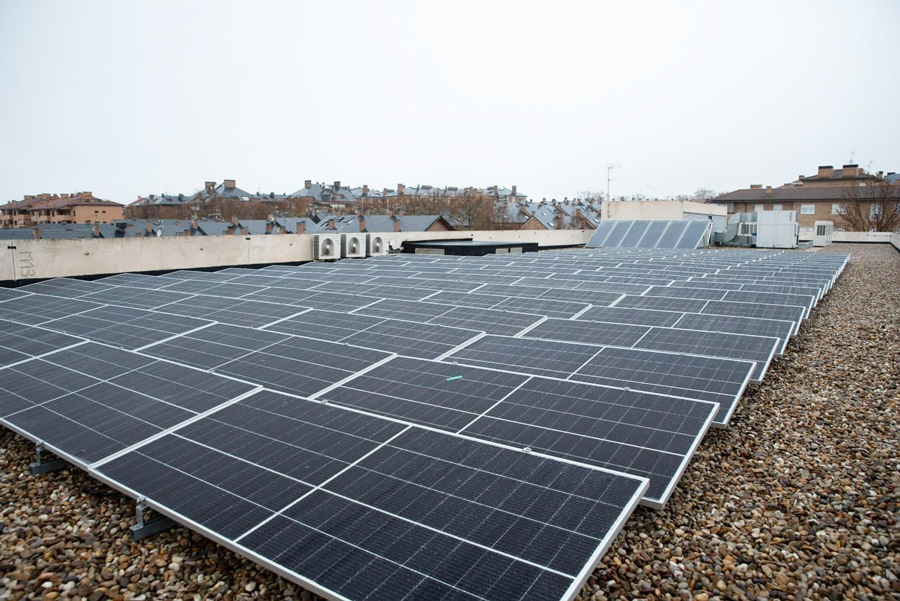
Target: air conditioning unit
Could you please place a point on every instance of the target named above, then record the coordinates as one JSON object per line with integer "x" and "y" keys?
{"x": 353, "y": 246}
{"x": 326, "y": 247}
{"x": 378, "y": 245}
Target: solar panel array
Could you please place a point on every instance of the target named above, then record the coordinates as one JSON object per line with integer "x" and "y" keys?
{"x": 415, "y": 427}
{"x": 680, "y": 234}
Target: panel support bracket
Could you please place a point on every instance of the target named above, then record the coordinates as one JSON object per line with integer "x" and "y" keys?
{"x": 45, "y": 467}
{"x": 143, "y": 529}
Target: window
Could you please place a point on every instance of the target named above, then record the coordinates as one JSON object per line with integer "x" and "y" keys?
{"x": 777, "y": 207}
{"x": 758, "y": 208}
{"x": 874, "y": 211}
{"x": 807, "y": 209}
{"x": 837, "y": 209}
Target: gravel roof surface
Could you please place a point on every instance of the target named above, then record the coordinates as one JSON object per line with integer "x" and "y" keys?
{"x": 798, "y": 498}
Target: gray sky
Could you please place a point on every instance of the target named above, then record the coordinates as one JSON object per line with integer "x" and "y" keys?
{"x": 125, "y": 98}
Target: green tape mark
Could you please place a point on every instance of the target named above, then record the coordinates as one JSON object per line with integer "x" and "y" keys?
{"x": 454, "y": 378}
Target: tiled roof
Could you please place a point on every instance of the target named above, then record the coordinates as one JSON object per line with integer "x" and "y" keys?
{"x": 835, "y": 193}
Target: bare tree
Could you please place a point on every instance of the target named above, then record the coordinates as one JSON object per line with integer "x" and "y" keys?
{"x": 871, "y": 208}
{"x": 704, "y": 193}
{"x": 592, "y": 195}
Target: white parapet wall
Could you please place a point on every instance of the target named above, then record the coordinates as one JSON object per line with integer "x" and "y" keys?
{"x": 877, "y": 237}
{"x": 37, "y": 259}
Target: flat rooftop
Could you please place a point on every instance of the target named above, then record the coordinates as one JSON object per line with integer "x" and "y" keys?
{"x": 794, "y": 497}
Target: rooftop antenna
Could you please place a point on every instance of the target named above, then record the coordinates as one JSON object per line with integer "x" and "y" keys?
{"x": 852, "y": 152}
{"x": 609, "y": 168}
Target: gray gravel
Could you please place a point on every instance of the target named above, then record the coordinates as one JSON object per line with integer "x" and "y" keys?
{"x": 798, "y": 498}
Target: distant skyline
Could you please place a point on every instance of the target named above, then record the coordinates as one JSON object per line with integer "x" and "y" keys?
{"x": 127, "y": 99}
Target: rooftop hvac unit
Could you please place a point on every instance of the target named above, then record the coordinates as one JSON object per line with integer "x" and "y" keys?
{"x": 326, "y": 247}
{"x": 353, "y": 246}
{"x": 378, "y": 245}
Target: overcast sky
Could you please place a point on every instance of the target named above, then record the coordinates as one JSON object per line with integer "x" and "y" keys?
{"x": 126, "y": 99}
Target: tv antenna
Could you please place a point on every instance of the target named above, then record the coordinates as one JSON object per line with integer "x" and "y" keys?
{"x": 852, "y": 152}
{"x": 609, "y": 168}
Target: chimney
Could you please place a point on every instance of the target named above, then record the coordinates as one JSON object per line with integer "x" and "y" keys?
{"x": 337, "y": 185}
{"x": 194, "y": 225}
{"x": 36, "y": 233}
{"x": 269, "y": 227}
{"x": 365, "y": 191}
{"x": 514, "y": 191}
{"x": 401, "y": 211}
{"x": 235, "y": 221}
{"x": 768, "y": 190}
{"x": 148, "y": 227}
{"x": 850, "y": 170}
{"x": 95, "y": 231}
{"x": 331, "y": 224}
{"x": 397, "y": 224}
{"x": 825, "y": 171}
{"x": 230, "y": 183}
{"x": 209, "y": 186}
{"x": 362, "y": 223}
{"x": 400, "y": 189}
{"x": 245, "y": 231}
{"x": 756, "y": 186}
{"x": 881, "y": 174}
{"x": 301, "y": 227}
{"x": 391, "y": 213}
{"x": 801, "y": 176}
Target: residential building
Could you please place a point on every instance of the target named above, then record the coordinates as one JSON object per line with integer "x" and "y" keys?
{"x": 82, "y": 207}
{"x": 822, "y": 197}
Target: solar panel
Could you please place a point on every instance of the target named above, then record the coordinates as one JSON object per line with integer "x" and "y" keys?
{"x": 415, "y": 371}
{"x": 382, "y": 510}
{"x": 136, "y": 280}
{"x": 635, "y": 233}
{"x": 36, "y": 309}
{"x": 20, "y": 342}
{"x": 590, "y": 332}
{"x": 301, "y": 366}
{"x": 474, "y": 300}
{"x": 672, "y": 234}
{"x": 638, "y": 317}
{"x": 780, "y": 329}
{"x": 486, "y": 320}
{"x": 126, "y": 327}
{"x": 741, "y": 309}
{"x": 652, "y": 235}
{"x": 413, "y": 339}
{"x": 662, "y": 303}
{"x": 247, "y": 313}
{"x": 645, "y": 435}
{"x": 524, "y": 355}
{"x": 406, "y": 310}
{"x": 688, "y": 376}
{"x": 758, "y": 349}
{"x": 65, "y": 287}
{"x": 681, "y": 292}
{"x": 596, "y": 298}
{"x": 541, "y": 306}
{"x": 618, "y": 233}
{"x": 599, "y": 236}
{"x": 214, "y": 346}
{"x": 694, "y": 234}
{"x": 93, "y": 418}
{"x": 138, "y": 298}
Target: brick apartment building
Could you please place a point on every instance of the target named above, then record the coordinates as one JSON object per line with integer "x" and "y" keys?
{"x": 820, "y": 197}
{"x": 82, "y": 207}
